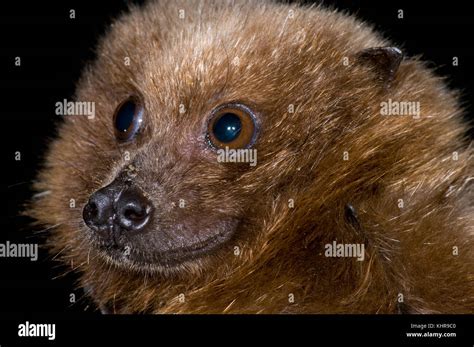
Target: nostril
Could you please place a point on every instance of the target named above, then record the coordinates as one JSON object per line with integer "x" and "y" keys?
{"x": 133, "y": 210}
{"x": 92, "y": 209}
{"x": 98, "y": 209}
{"x": 90, "y": 213}
{"x": 135, "y": 214}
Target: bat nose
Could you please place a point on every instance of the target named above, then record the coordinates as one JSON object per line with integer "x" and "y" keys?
{"x": 118, "y": 207}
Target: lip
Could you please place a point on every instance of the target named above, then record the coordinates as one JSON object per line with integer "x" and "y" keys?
{"x": 196, "y": 250}
{"x": 170, "y": 258}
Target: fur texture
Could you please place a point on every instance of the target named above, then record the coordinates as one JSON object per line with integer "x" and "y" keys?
{"x": 270, "y": 56}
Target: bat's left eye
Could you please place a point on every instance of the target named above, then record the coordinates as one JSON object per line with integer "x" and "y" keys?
{"x": 233, "y": 126}
{"x": 128, "y": 119}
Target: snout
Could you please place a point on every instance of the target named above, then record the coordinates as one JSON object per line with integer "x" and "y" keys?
{"x": 118, "y": 208}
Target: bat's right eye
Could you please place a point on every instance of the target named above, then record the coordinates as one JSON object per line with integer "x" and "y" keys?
{"x": 128, "y": 119}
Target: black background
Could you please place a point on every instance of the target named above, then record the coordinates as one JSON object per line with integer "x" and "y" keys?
{"x": 54, "y": 48}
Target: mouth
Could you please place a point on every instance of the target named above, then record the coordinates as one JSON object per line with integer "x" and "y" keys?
{"x": 129, "y": 254}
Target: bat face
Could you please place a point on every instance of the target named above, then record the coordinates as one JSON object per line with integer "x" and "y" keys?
{"x": 170, "y": 201}
{"x": 166, "y": 197}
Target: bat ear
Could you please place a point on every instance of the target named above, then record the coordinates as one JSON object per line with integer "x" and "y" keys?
{"x": 384, "y": 60}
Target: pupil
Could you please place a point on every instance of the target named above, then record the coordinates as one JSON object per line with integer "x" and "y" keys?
{"x": 227, "y": 127}
{"x": 125, "y": 116}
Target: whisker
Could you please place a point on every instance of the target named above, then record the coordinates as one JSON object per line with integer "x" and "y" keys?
{"x": 47, "y": 229}
{"x": 17, "y": 184}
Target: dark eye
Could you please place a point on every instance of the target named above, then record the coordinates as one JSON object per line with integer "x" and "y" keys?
{"x": 128, "y": 119}
{"x": 232, "y": 125}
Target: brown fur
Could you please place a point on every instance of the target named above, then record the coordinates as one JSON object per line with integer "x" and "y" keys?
{"x": 284, "y": 58}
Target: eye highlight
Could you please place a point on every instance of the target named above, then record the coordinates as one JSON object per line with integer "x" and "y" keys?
{"x": 232, "y": 125}
{"x": 128, "y": 118}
